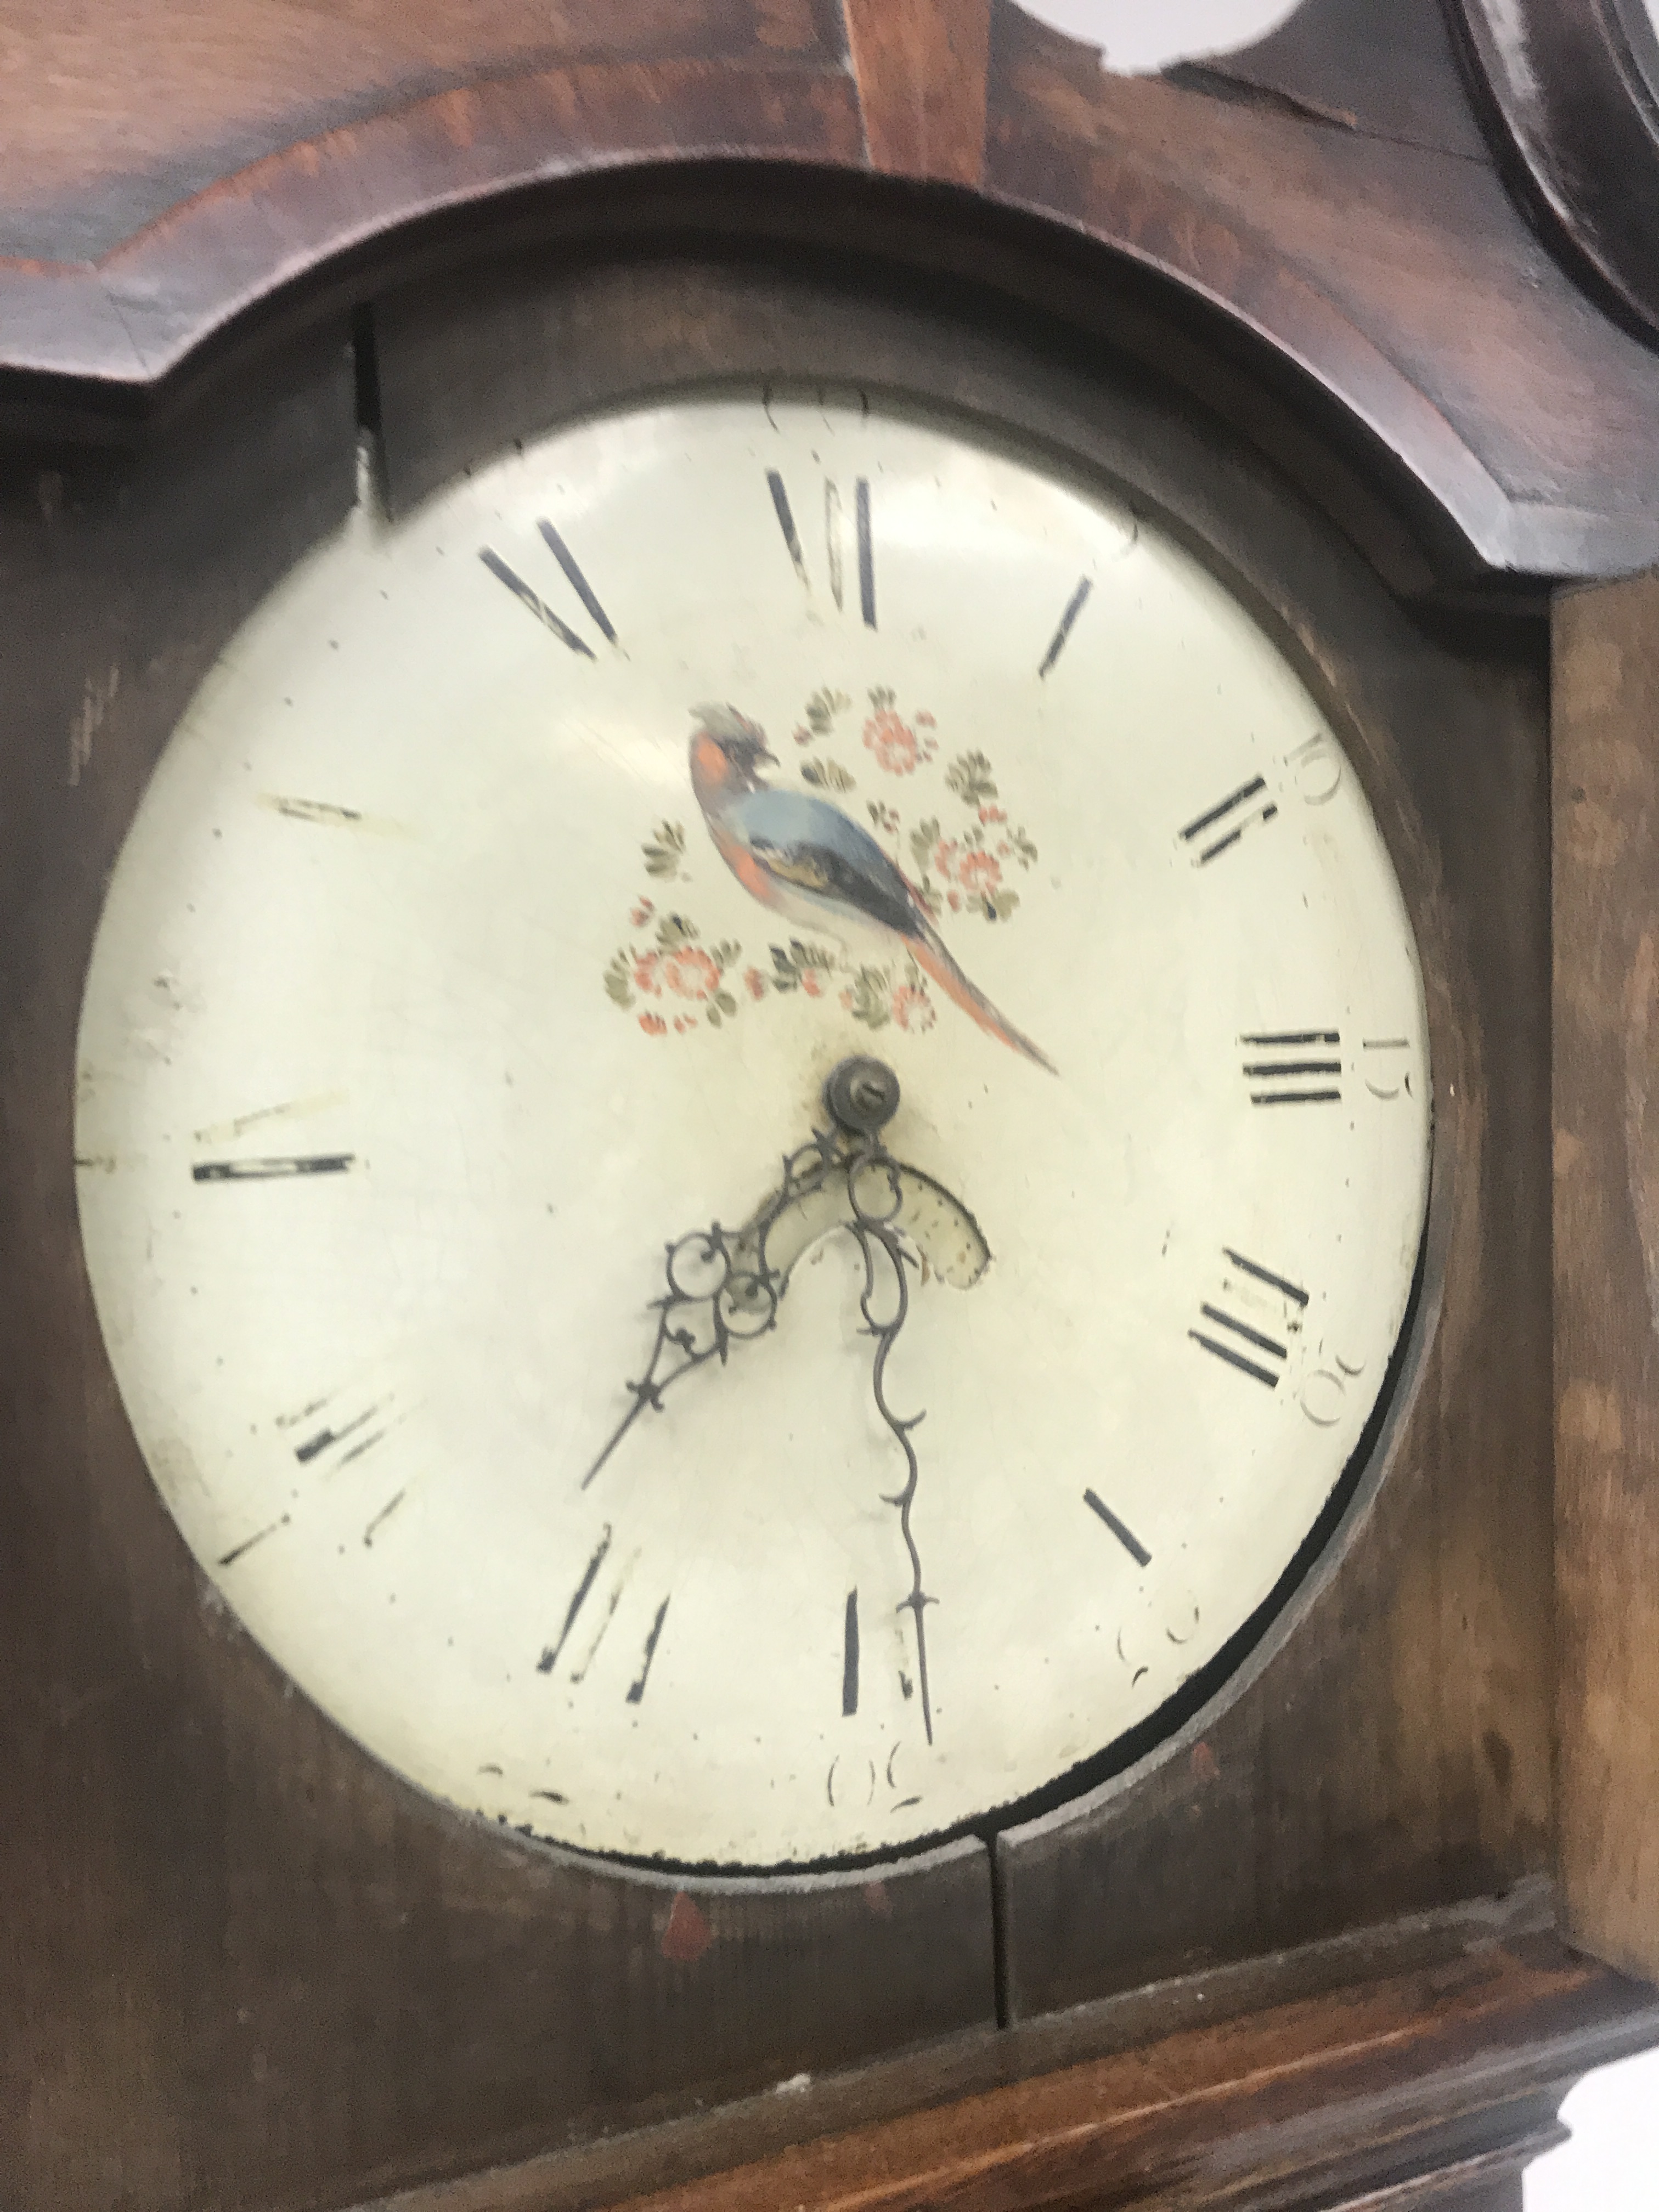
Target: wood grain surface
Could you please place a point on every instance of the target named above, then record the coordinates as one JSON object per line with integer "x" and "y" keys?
{"x": 1328, "y": 197}
{"x": 921, "y": 66}
{"x": 1568, "y": 95}
{"x": 1428, "y": 2087}
{"x": 1606, "y": 769}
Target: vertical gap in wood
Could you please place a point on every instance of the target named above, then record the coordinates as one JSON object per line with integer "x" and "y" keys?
{"x": 366, "y": 384}
{"x": 366, "y": 368}
{"x": 999, "y": 1933}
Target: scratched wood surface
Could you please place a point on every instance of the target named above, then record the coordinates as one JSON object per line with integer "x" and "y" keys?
{"x": 1329, "y": 197}
{"x": 1606, "y": 1261}
{"x": 242, "y": 1964}
{"x": 1428, "y": 2085}
{"x": 1568, "y": 93}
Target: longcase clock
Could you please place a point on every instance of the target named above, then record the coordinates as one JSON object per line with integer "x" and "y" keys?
{"x": 794, "y": 1412}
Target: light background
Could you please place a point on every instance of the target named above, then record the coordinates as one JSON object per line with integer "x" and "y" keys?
{"x": 1610, "y": 2164}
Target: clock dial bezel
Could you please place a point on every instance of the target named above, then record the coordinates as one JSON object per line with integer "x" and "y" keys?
{"x": 1047, "y": 428}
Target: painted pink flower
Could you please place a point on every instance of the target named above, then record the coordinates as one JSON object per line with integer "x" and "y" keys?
{"x": 892, "y": 741}
{"x": 653, "y": 1025}
{"x": 682, "y": 1022}
{"x": 643, "y": 914}
{"x": 803, "y": 736}
{"x": 646, "y": 973}
{"x": 945, "y": 854}
{"x": 979, "y": 873}
{"x": 993, "y": 814}
{"x": 691, "y": 973}
{"x": 925, "y": 721}
{"x": 912, "y": 1008}
{"x": 811, "y": 982}
{"x": 756, "y": 982}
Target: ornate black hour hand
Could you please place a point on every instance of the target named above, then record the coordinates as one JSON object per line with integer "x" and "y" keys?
{"x": 724, "y": 1286}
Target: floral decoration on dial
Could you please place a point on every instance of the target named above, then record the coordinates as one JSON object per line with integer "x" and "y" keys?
{"x": 811, "y": 860}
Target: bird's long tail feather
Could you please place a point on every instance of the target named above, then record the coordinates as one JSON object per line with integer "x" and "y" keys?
{"x": 932, "y": 955}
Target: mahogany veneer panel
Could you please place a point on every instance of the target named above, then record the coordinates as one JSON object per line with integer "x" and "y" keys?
{"x": 1328, "y": 197}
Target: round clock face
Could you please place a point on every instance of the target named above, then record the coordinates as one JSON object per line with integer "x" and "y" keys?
{"x": 491, "y": 925}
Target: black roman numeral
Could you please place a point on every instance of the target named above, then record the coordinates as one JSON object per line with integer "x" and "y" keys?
{"x": 549, "y": 1658}
{"x": 1293, "y": 1067}
{"x": 866, "y": 556}
{"x": 1125, "y": 1536}
{"x": 636, "y": 1690}
{"x": 534, "y": 604}
{"x": 273, "y": 1170}
{"x": 835, "y": 569}
{"x": 579, "y": 583}
{"x": 1250, "y": 1321}
{"x": 1219, "y": 828}
{"x": 849, "y": 1658}
{"x": 1074, "y": 609}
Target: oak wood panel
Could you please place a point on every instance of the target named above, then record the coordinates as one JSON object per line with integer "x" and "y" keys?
{"x": 1418, "y": 2089}
{"x": 242, "y": 1963}
{"x": 1606, "y": 769}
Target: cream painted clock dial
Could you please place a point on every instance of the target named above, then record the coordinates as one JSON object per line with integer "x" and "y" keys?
{"x": 601, "y": 1431}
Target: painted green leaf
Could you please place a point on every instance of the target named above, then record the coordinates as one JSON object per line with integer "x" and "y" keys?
{"x": 826, "y": 775}
{"x": 970, "y": 777}
{"x": 665, "y": 850}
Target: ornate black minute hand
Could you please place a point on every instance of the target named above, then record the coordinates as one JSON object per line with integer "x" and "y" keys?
{"x": 724, "y": 1286}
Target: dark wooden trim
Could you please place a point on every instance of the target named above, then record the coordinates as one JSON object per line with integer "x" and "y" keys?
{"x": 1571, "y": 96}
{"x": 1319, "y": 213}
{"x": 1429, "y": 2079}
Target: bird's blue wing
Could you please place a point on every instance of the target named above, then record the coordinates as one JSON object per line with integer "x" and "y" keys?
{"x": 814, "y": 845}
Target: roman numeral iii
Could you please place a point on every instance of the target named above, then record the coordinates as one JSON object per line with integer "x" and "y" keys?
{"x": 1293, "y": 1068}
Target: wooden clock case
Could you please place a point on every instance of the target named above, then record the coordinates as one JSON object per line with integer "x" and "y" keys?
{"x": 1310, "y": 1949}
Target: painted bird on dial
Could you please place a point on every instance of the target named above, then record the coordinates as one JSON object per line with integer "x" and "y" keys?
{"x": 806, "y": 860}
